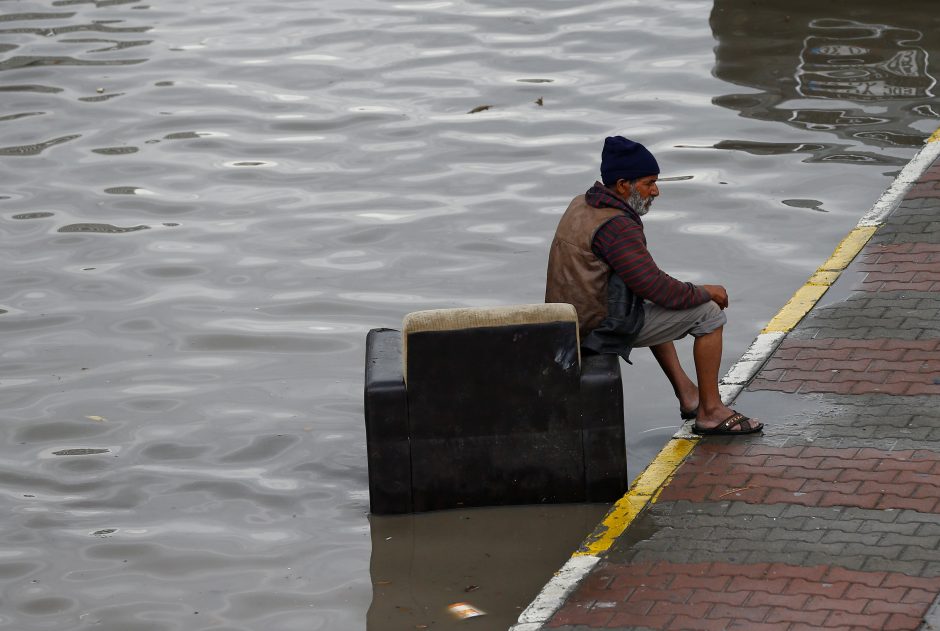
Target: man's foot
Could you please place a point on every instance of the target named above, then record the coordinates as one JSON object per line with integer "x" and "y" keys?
{"x": 736, "y": 423}
{"x": 688, "y": 401}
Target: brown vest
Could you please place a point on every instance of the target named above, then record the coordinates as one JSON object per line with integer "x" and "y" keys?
{"x": 575, "y": 274}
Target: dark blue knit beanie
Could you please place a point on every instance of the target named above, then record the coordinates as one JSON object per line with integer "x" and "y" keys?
{"x": 623, "y": 159}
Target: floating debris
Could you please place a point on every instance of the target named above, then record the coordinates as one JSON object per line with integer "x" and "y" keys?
{"x": 539, "y": 102}
{"x": 471, "y": 588}
{"x": 463, "y": 611}
{"x": 479, "y": 108}
{"x": 95, "y": 417}
{"x": 104, "y": 531}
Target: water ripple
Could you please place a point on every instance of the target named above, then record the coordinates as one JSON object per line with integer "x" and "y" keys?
{"x": 210, "y": 204}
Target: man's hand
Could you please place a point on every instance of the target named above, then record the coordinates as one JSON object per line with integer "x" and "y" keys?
{"x": 718, "y": 295}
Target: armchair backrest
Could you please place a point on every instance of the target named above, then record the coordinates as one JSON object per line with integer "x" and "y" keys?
{"x": 484, "y": 387}
{"x": 498, "y": 408}
{"x": 478, "y": 371}
{"x": 483, "y": 317}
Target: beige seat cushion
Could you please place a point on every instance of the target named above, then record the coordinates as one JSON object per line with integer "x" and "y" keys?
{"x": 476, "y": 317}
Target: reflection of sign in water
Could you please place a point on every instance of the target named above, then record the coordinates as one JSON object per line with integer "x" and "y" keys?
{"x": 830, "y": 119}
{"x": 849, "y": 60}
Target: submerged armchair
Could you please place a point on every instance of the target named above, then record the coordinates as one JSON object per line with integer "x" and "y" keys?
{"x": 491, "y": 406}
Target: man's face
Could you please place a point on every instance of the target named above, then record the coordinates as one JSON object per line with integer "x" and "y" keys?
{"x": 640, "y": 194}
{"x": 646, "y": 187}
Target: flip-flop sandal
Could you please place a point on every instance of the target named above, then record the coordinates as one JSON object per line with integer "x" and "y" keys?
{"x": 726, "y": 427}
{"x": 688, "y": 415}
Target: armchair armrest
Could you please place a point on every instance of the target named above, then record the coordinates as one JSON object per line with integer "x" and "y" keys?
{"x": 604, "y": 439}
{"x": 386, "y": 416}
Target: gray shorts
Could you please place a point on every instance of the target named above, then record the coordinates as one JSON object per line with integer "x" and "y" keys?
{"x": 665, "y": 325}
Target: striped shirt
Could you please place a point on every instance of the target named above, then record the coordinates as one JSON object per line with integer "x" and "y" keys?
{"x": 621, "y": 244}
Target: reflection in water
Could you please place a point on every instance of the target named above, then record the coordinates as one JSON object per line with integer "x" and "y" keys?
{"x": 100, "y": 227}
{"x": 423, "y": 563}
{"x": 813, "y": 204}
{"x": 851, "y": 60}
{"x": 35, "y": 148}
{"x": 861, "y": 71}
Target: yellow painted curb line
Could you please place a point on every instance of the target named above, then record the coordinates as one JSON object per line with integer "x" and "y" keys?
{"x": 935, "y": 137}
{"x": 644, "y": 491}
{"x": 809, "y": 294}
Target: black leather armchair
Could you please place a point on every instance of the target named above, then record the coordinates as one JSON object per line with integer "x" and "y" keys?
{"x": 483, "y": 407}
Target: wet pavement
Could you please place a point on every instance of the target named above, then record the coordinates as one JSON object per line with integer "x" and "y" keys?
{"x": 829, "y": 519}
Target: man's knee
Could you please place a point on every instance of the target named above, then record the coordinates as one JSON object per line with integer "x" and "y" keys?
{"x": 711, "y": 318}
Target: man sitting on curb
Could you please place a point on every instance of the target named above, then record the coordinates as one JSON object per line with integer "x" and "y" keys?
{"x": 599, "y": 263}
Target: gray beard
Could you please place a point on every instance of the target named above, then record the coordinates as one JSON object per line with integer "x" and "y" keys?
{"x": 638, "y": 204}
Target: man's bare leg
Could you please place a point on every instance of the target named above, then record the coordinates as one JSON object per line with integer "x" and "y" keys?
{"x": 707, "y": 353}
{"x": 686, "y": 391}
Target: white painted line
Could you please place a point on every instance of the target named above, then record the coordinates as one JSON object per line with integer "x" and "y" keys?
{"x": 554, "y": 593}
{"x": 753, "y": 358}
{"x": 901, "y": 185}
{"x": 762, "y": 346}
{"x": 685, "y": 432}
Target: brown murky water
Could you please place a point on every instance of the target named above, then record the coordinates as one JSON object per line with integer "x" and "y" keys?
{"x": 206, "y": 206}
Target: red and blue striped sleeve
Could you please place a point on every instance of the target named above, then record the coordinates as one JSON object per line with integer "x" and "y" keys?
{"x": 620, "y": 242}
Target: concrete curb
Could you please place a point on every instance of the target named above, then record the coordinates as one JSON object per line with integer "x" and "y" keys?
{"x": 932, "y": 617}
{"x": 647, "y": 486}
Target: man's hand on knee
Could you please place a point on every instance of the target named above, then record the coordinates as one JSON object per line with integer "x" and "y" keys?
{"x": 718, "y": 294}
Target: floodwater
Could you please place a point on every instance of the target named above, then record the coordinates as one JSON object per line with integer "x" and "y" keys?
{"x": 205, "y": 206}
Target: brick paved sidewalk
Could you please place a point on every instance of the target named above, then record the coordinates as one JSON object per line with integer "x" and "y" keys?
{"x": 831, "y": 518}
